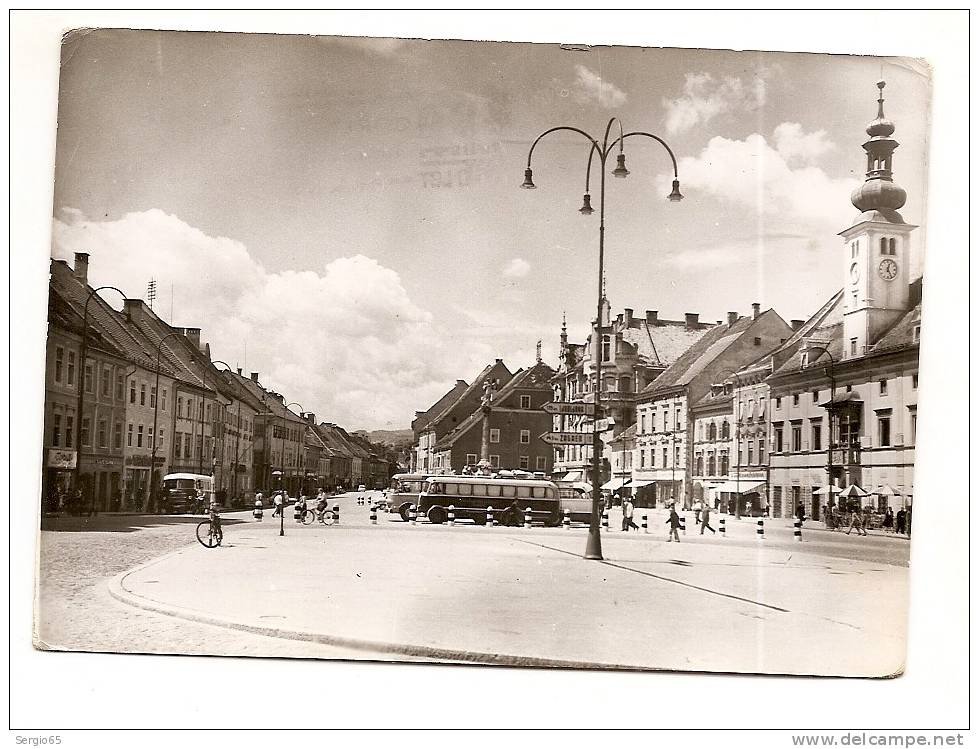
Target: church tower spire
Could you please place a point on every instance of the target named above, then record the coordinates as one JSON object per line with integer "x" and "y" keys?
{"x": 877, "y": 249}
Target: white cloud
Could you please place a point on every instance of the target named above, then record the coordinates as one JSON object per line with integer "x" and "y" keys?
{"x": 705, "y": 97}
{"x": 517, "y": 268}
{"x": 589, "y": 87}
{"x": 797, "y": 147}
{"x": 345, "y": 341}
{"x": 752, "y": 173}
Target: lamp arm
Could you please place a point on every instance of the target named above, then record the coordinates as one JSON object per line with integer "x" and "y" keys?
{"x": 591, "y": 154}
{"x": 676, "y": 174}
{"x": 530, "y": 154}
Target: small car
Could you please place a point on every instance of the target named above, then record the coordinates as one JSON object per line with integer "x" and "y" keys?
{"x": 362, "y": 488}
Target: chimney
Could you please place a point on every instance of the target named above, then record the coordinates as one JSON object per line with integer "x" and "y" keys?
{"x": 133, "y": 309}
{"x": 755, "y": 310}
{"x": 239, "y": 371}
{"x": 462, "y": 382}
{"x": 310, "y": 417}
{"x": 690, "y": 318}
{"x": 81, "y": 267}
{"x": 254, "y": 376}
{"x": 499, "y": 361}
{"x": 797, "y": 324}
{"x": 732, "y": 317}
{"x": 627, "y": 318}
{"x": 652, "y": 317}
{"x": 193, "y": 335}
{"x": 618, "y": 320}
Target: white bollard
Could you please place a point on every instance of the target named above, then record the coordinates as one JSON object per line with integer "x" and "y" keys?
{"x": 605, "y": 520}
{"x": 527, "y": 518}
{"x": 567, "y": 520}
{"x": 798, "y": 530}
{"x": 336, "y": 514}
{"x": 373, "y": 514}
{"x": 683, "y": 524}
{"x": 412, "y": 515}
{"x": 722, "y": 529}
{"x": 760, "y": 533}
{"x": 645, "y": 523}
{"x": 258, "y": 512}
{"x": 452, "y": 515}
{"x": 490, "y": 518}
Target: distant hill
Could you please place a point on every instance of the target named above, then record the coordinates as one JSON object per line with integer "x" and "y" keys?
{"x": 393, "y": 437}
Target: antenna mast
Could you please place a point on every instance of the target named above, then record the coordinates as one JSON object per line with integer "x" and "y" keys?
{"x": 151, "y": 291}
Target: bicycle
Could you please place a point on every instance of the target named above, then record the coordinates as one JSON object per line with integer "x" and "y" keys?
{"x": 209, "y": 532}
{"x": 307, "y": 516}
{"x": 325, "y": 517}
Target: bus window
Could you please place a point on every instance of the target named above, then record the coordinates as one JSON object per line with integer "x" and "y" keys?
{"x": 463, "y": 490}
{"x": 523, "y": 491}
{"x": 540, "y": 491}
{"x": 493, "y": 490}
{"x": 551, "y": 494}
{"x": 509, "y": 491}
{"x": 479, "y": 490}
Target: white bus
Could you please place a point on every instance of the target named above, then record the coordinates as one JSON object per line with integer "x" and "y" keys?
{"x": 403, "y": 492}
{"x": 180, "y": 491}
{"x": 471, "y": 495}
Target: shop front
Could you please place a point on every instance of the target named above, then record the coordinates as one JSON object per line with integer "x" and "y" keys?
{"x": 59, "y": 463}
{"x": 101, "y": 482}
{"x": 139, "y": 481}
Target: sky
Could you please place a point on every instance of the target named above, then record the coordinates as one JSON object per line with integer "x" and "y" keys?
{"x": 344, "y": 216}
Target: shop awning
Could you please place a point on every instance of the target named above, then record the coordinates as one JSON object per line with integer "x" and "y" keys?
{"x": 615, "y": 483}
{"x": 585, "y": 487}
{"x": 639, "y": 483}
{"x": 735, "y": 487}
{"x": 824, "y": 490}
{"x": 886, "y": 490}
{"x": 569, "y": 476}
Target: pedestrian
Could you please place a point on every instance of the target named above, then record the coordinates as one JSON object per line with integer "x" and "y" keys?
{"x": 800, "y": 512}
{"x": 260, "y": 498}
{"x": 697, "y": 509}
{"x": 908, "y": 521}
{"x": 705, "y": 520}
{"x": 278, "y": 501}
{"x": 856, "y": 521}
{"x": 674, "y": 522}
{"x": 888, "y": 519}
{"x": 899, "y": 521}
{"x": 628, "y": 510}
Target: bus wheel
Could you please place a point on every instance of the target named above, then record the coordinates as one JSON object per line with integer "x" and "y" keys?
{"x": 437, "y": 515}
{"x": 479, "y": 518}
{"x": 403, "y": 512}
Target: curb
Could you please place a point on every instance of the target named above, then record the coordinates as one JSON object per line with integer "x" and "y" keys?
{"x": 118, "y": 591}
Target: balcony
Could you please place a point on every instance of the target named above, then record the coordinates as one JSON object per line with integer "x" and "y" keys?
{"x": 845, "y": 456}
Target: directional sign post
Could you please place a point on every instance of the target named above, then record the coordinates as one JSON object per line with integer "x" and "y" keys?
{"x": 567, "y": 438}
{"x": 569, "y": 409}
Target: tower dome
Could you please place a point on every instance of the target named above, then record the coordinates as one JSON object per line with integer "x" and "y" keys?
{"x": 879, "y": 198}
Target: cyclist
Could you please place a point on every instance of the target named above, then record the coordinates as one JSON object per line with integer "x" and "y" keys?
{"x": 321, "y": 504}
{"x": 215, "y": 518}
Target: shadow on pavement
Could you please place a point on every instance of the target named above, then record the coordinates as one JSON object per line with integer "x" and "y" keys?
{"x": 121, "y": 523}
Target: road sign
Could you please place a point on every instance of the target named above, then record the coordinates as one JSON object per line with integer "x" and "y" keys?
{"x": 570, "y": 409}
{"x": 567, "y": 438}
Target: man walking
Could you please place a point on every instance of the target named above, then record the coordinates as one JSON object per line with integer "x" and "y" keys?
{"x": 856, "y": 521}
{"x": 674, "y": 521}
{"x": 705, "y": 520}
{"x": 628, "y": 509}
{"x": 278, "y": 504}
{"x": 697, "y": 509}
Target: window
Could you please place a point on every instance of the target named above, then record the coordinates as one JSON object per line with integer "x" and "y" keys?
{"x": 795, "y": 399}
{"x": 71, "y": 369}
{"x": 292, "y": 432}
{"x": 524, "y": 462}
{"x": 129, "y": 436}
{"x": 664, "y": 420}
{"x": 883, "y": 246}
{"x": 142, "y": 393}
{"x": 524, "y": 436}
{"x": 187, "y": 448}
{"x": 914, "y": 381}
{"x": 153, "y": 396}
{"x": 676, "y": 457}
{"x": 817, "y": 436}
{"x": 120, "y": 386}
{"x": 700, "y": 465}
{"x": 797, "y": 438}
{"x": 652, "y": 457}
{"x": 815, "y": 396}
{"x": 642, "y": 458}
{"x": 524, "y": 401}
{"x": 103, "y": 433}
{"x": 89, "y": 377}
{"x": 139, "y": 436}
{"x": 541, "y": 463}
{"x": 757, "y": 341}
{"x": 777, "y": 434}
{"x": 883, "y": 387}
{"x": 892, "y": 243}
{"x": 471, "y": 459}
{"x": 884, "y": 430}
{"x": 198, "y": 445}
{"x": 679, "y": 420}
{"x": 106, "y": 382}
{"x": 712, "y": 432}
{"x": 149, "y": 440}
{"x": 751, "y": 454}
{"x": 778, "y": 402}
{"x": 914, "y": 427}
{"x": 159, "y": 439}
{"x": 117, "y": 435}
{"x": 642, "y": 423}
{"x": 740, "y": 455}
{"x": 132, "y": 391}
{"x": 163, "y": 401}
{"x": 606, "y": 348}
{"x": 494, "y": 436}
{"x": 59, "y": 356}
{"x": 665, "y": 457}
{"x": 724, "y": 466}
{"x": 726, "y": 430}
{"x": 86, "y": 436}
{"x": 69, "y": 425}
{"x": 853, "y": 347}
{"x": 761, "y": 450}
{"x": 56, "y": 433}
{"x": 711, "y": 465}
{"x": 495, "y": 461}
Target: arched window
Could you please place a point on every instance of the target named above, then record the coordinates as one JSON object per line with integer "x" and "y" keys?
{"x": 893, "y": 245}
{"x": 883, "y": 245}
{"x": 606, "y": 348}
{"x": 712, "y": 432}
{"x": 725, "y": 430}
{"x": 700, "y": 465}
{"x": 710, "y": 466}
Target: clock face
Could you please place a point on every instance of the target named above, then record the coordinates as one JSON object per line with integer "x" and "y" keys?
{"x": 854, "y": 273}
{"x": 887, "y": 269}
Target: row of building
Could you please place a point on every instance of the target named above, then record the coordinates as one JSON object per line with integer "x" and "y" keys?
{"x": 756, "y": 414}
{"x": 751, "y": 414}
{"x": 129, "y": 399}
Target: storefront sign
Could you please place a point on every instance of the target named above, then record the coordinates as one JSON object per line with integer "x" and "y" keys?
{"x": 143, "y": 461}
{"x": 59, "y": 458}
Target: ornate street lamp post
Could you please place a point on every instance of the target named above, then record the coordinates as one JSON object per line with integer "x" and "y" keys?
{"x": 83, "y": 353}
{"x": 593, "y": 548}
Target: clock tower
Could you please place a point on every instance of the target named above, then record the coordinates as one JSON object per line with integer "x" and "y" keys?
{"x": 876, "y": 246}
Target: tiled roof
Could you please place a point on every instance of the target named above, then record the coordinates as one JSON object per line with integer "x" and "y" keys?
{"x": 699, "y": 355}
{"x": 662, "y": 343}
{"x": 475, "y": 387}
{"x": 902, "y": 334}
{"x": 710, "y": 400}
{"x": 423, "y": 420}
